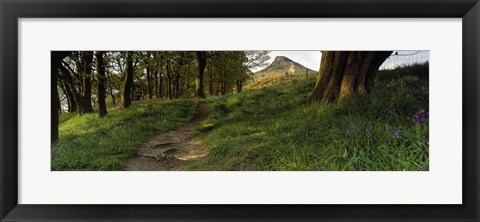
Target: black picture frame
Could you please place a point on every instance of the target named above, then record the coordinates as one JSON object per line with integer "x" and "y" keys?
{"x": 11, "y": 11}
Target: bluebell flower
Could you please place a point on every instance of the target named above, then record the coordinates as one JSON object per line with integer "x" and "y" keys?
{"x": 420, "y": 117}
{"x": 397, "y": 132}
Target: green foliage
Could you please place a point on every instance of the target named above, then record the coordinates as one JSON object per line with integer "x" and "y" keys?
{"x": 275, "y": 128}
{"x": 90, "y": 143}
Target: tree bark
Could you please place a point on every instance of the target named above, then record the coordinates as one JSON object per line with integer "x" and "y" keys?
{"x": 343, "y": 73}
{"x": 87, "y": 82}
{"x": 72, "y": 104}
{"x": 111, "y": 91}
{"x": 169, "y": 81}
{"x": 202, "y": 62}
{"x": 67, "y": 76}
{"x": 155, "y": 83}
{"x": 55, "y": 63}
{"x": 210, "y": 80}
{"x": 128, "y": 82}
{"x": 149, "y": 83}
{"x": 160, "y": 77}
{"x": 239, "y": 86}
{"x": 101, "y": 94}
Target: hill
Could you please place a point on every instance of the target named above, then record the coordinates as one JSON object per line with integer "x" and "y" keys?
{"x": 282, "y": 66}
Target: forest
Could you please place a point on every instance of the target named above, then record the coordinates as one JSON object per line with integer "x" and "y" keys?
{"x": 207, "y": 110}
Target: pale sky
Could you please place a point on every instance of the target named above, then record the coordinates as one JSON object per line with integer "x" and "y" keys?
{"x": 311, "y": 59}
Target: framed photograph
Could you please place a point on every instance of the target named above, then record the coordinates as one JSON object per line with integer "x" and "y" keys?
{"x": 225, "y": 110}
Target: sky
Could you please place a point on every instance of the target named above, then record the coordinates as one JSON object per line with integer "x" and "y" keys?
{"x": 311, "y": 59}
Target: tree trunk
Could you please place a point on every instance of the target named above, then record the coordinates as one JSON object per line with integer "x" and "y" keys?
{"x": 239, "y": 86}
{"x": 62, "y": 85}
{"x": 55, "y": 63}
{"x": 343, "y": 73}
{"x": 71, "y": 85}
{"x": 111, "y": 91}
{"x": 202, "y": 62}
{"x": 177, "y": 85}
{"x": 169, "y": 81}
{"x": 160, "y": 77}
{"x": 155, "y": 83}
{"x": 87, "y": 82}
{"x": 160, "y": 85}
{"x": 210, "y": 80}
{"x": 102, "y": 106}
{"x": 72, "y": 104}
{"x": 127, "y": 85}
{"x": 149, "y": 83}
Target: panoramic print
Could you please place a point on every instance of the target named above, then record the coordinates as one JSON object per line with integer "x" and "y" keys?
{"x": 240, "y": 110}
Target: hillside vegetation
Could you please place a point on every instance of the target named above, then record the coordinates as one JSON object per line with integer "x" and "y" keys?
{"x": 269, "y": 128}
{"x": 275, "y": 128}
{"x": 282, "y": 66}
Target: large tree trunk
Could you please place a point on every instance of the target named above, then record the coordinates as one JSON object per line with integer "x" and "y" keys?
{"x": 102, "y": 106}
{"x": 202, "y": 62}
{"x": 343, "y": 73}
{"x": 55, "y": 63}
{"x": 128, "y": 83}
{"x": 87, "y": 82}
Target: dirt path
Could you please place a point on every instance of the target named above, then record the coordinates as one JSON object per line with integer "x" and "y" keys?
{"x": 170, "y": 150}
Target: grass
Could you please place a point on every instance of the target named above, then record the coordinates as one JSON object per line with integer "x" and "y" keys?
{"x": 274, "y": 128}
{"x": 89, "y": 143}
{"x": 275, "y": 80}
{"x": 268, "y": 128}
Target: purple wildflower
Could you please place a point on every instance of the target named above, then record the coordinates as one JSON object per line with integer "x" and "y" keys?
{"x": 397, "y": 132}
{"x": 420, "y": 117}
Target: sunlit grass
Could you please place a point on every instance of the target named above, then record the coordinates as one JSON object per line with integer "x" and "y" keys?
{"x": 275, "y": 128}
{"x": 90, "y": 143}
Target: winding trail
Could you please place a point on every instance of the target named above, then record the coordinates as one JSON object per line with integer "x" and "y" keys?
{"x": 170, "y": 150}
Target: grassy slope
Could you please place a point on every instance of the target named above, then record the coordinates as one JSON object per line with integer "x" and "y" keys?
{"x": 275, "y": 129}
{"x": 278, "y": 68}
{"x": 275, "y": 80}
{"x": 89, "y": 143}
